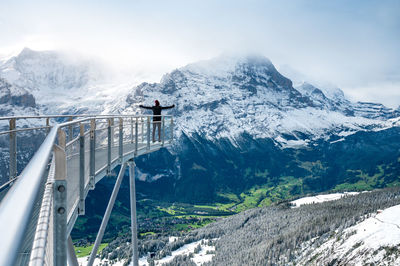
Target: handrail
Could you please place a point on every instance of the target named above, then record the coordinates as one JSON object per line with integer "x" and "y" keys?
{"x": 87, "y": 118}
{"x": 15, "y": 217}
{"x": 23, "y": 129}
{"x": 9, "y": 182}
{"x": 41, "y": 239}
{"x": 83, "y": 115}
{"x": 18, "y": 203}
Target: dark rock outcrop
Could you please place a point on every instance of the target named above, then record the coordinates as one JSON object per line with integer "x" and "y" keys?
{"x": 15, "y": 96}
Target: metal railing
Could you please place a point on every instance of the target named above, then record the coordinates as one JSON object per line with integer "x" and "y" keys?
{"x": 74, "y": 156}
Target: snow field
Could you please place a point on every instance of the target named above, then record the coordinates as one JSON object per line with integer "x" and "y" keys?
{"x": 321, "y": 198}
{"x": 198, "y": 258}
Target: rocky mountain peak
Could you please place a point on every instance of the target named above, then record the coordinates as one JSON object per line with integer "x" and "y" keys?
{"x": 13, "y": 98}
{"x": 227, "y": 96}
{"x": 227, "y": 65}
{"x": 252, "y": 74}
{"x": 48, "y": 70}
{"x": 26, "y": 52}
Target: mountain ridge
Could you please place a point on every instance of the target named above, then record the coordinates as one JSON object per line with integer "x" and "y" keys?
{"x": 251, "y": 95}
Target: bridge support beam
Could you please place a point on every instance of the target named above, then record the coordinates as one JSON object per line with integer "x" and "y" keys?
{"x": 107, "y": 214}
{"x": 135, "y": 254}
{"x": 72, "y": 259}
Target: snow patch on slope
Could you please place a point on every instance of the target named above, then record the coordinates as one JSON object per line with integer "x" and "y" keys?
{"x": 375, "y": 240}
{"x": 198, "y": 258}
{"x": 321, "y": 198}
{"x": 82, "y": 261}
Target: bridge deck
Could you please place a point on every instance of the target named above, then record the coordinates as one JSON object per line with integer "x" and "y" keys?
{"x": 33, "y": 234}
{"x": 101, "y": 166}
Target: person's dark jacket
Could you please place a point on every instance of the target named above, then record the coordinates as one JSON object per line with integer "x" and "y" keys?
{"x": 157, "y": 110}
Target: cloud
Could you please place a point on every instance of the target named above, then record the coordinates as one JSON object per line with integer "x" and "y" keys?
{"x": 385, "y": 92}
{"x": 353, "y": 44}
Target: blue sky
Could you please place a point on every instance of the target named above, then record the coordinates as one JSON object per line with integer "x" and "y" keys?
{"x": 351, "y": 44}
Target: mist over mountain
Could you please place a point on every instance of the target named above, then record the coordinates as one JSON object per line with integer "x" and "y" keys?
{"x": 60, "y": 82}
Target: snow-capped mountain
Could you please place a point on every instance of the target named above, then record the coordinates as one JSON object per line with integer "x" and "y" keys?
{"x": 15, "y": 100}
{"x": 237, "y": 110}
{"x": 47, "y": 70}
{"x": 13, "y": 95}
{"x": 61, "y": 82}
{"x": 227, "y": 96}
{"x": 222, "y": 97}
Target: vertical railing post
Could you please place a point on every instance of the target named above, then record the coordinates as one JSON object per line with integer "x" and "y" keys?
{"x": 70, "y": 132}
{"x": 163, "y": 131}
{"x": 13, "y": 150}
{"x": 60, "y": 203}
{"x": 81, "y": 208}
{"x": 92, "y": 152}
{"x": 136, "y": 136}
{"x": 135, "y": 257}
{"x": 132, "y": 129}
{"x": 112, "y": 132}
{"x": 109, "y": 142}
{"x": 148, "y": 132}
{"x": 121, "y": 139}
{"x": 142, "y": 123}
{"x": 172, "y": 128}
{"x": 47, "y": 125}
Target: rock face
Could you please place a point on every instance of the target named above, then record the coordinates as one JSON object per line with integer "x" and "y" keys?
{"x": 59, "y": 82}
{"x": 227, "y": 96}
{"x": 15, "y": 96}
{"x": 240, "y": 124}
{"x": 46, "y": 70}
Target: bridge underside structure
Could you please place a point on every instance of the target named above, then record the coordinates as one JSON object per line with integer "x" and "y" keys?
{"x": 41, "y": 204}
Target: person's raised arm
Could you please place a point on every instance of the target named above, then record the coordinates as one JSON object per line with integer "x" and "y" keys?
{"x": 145, "y": 107}
{"x": 168, "y": 107}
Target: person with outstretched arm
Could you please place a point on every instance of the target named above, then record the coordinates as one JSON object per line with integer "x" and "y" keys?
{"x": 157, "y": 117}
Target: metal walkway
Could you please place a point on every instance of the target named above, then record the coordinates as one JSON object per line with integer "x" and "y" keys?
{"x": 42, "y": 203}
